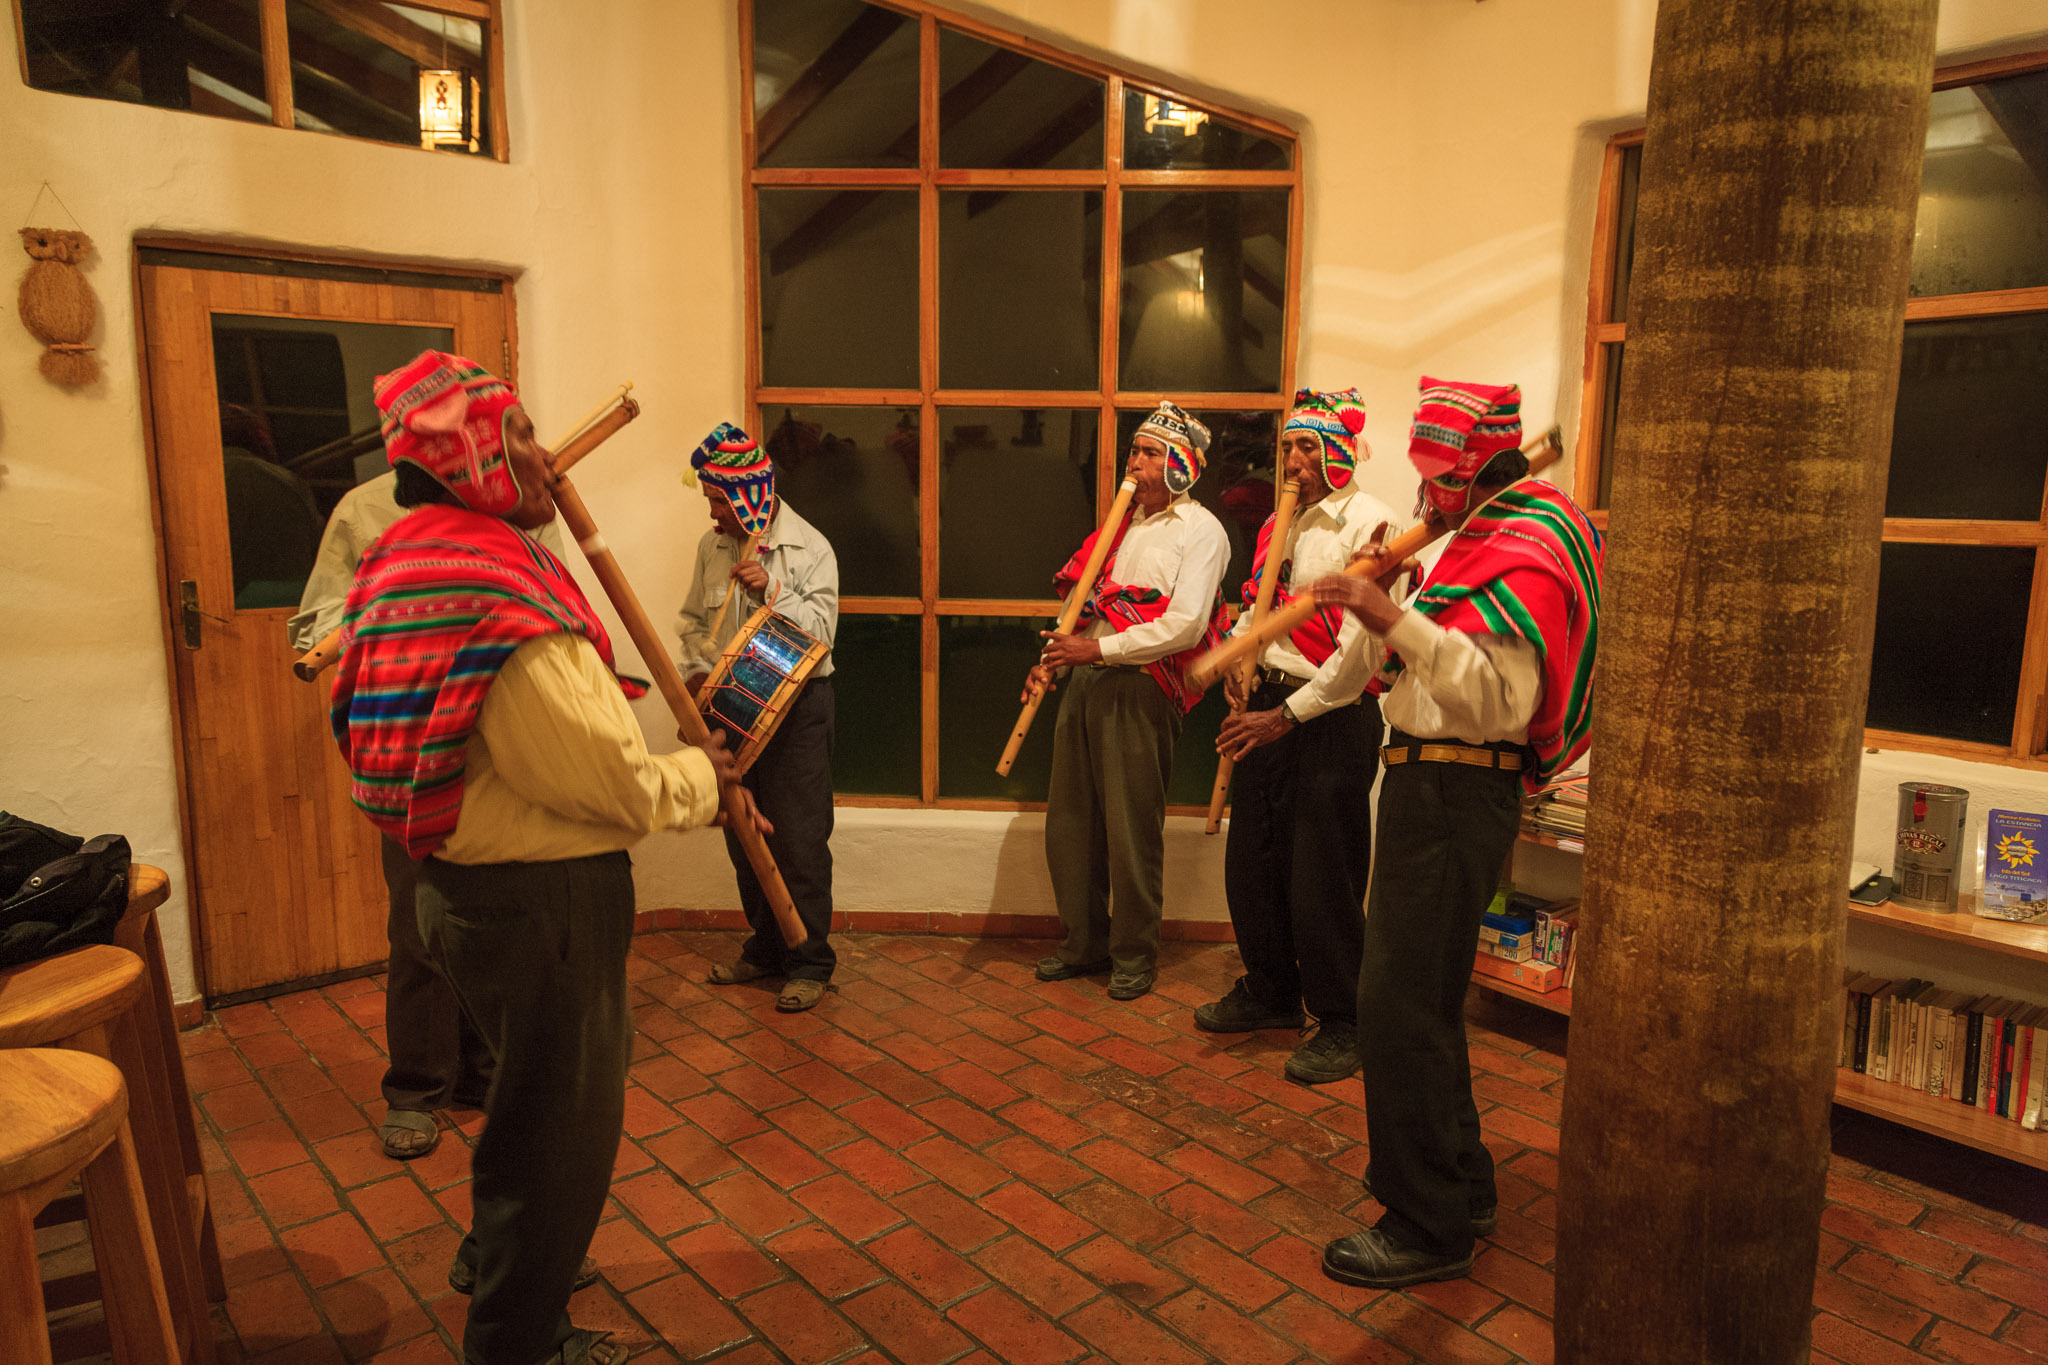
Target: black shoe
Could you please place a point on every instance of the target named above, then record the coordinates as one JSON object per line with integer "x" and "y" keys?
{"x": 1483, "y": 1220}
{"x": 1373, "y": 1260}
{"x": 1130, "y": 985}
{"x": 1239, "y": 1012}
{"x": 462, "y": 1279}
{"x": 1330, "y": 1056}
{"x": 1056, "y": 969}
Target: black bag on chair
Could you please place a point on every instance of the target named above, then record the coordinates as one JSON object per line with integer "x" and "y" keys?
{"x": 62, "y": 892}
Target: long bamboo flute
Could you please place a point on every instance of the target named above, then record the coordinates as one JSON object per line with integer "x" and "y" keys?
{"x": 1410, "y": 542}
{"x": 1070, "y": 614}
{"x": 654, "y": 651}
{"x": 1269, "y": 584}
{"x": 587, "y": 435}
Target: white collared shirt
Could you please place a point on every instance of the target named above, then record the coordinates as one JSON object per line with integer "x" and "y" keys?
{"x": 803, "y": 580}
{"x": 1181, "y": 550}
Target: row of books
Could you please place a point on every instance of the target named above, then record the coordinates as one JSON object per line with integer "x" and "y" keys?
{"x": 1529, "y": 942}
{"x": 1988, "y": 1052}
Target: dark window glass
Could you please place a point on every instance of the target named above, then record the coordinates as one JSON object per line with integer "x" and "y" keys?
{"x": 839, "y": 288}
{"x": 1236, "y": 483}
{"x": 1020, "y": 289}
{"x": 835, "y": 84}
{"x": 299, "y": 428}
{"x": 206, "y": 55}
{"x": 1625, "y": 232}
{"x": 1983, "y": 217}
{"x": 1204, "y": 289}
{"x": 356, "y": 69}
{"x": 852, "y": 473}
{"x": 1161, "y": 134}
{"x": 1016, "y": 498}
{"x": 982, "y": 663}
{"x": 1194, "y": 754}
{"x": 1610, "y": 425}
{"x": 1967, "y": 437}
{"x": 1951, "y": 623}
{"x": 878, "y": 707}
{"x": 999, "y": 108}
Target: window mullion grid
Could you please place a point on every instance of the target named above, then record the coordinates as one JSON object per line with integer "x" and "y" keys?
{"x": 928, "y": 427}
{"x": 2030, "y": 716}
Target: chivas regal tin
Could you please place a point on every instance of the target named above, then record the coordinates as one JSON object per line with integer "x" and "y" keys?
{"x": 1929, "y": 847}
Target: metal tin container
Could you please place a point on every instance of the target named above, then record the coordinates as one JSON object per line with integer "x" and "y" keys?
{"x": 1928, "y": 852}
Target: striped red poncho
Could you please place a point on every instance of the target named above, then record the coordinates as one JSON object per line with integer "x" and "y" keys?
{"x": 1315, "y": 638}
{"x": 1527, "y": 565}
{"x": 440, "y": 601}
{"x": 1124, "y": 606}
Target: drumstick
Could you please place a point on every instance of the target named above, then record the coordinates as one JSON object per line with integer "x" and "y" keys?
{"x": 586, "y": 436}
{"x": 1269, "y": 583}
{"x": 1410, "y": 542}
{"x": 654, "y": 650}
{"x": 1070, "y": 614}
{"x": 732, "y": 588}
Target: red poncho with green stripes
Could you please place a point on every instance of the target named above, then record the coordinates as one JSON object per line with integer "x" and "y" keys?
{"x": 440, "y": 601}
{"x": 1526, "y": 565}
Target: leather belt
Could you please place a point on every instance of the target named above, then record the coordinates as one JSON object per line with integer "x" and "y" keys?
{"x": 1504, "y": 760}
{"x": 1276, "y": 677}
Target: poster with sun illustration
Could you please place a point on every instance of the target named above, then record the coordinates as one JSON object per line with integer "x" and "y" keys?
{"x": 2015, "y": 864}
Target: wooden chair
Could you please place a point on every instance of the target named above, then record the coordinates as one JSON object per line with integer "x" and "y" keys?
{"x": 95, "y": 1000}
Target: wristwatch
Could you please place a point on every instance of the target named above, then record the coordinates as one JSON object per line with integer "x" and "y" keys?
{"x": 1287, "y": 714}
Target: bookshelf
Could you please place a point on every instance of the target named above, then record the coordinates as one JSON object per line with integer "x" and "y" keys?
{"x": 2028, "y": 941}
{"x": 1941, "y": 1117}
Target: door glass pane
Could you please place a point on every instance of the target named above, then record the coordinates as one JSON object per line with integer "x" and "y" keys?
{"x": 1204, "y": 276}
{"x": 1194, "y": 754}
{"x": 1967, "y": 436}
{"x": 1625, "y": 232}
{"x": 1020, "y": 289}
{"x": 1983, "y": 217}
{"x": 1610, "y": 430}
{"x": 1016, "y": 498}
{"x": 1161, "y": 134}
{"x": 299, "y": 428}
{"x": 982, "y": 663}
{"x": 206, "y": 55}
{"x": 999, "y": 108}
{"x": 839, "y": 288}
{"x": 356, "y": 69}
{"x": 852, "y": 473}
{"x": 878, "y": 701}
{"x": 1951, "y": 623}
{"x": 1236, "y": 483}
{"x": 835, "y": 84}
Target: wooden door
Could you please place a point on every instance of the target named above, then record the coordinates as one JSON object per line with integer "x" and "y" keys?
{"x": 286, "y": 874}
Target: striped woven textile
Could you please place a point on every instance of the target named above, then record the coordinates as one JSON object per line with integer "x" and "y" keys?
{"x": 1527, "y": 565}
{"x": 1124, "y": 606}
{"x": 440, "y": 601}
{"x": 1315, "y": 638}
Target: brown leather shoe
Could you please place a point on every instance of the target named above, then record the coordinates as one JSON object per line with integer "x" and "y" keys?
{"x": 800, "y": 993}
{"x": 732, "y": 974}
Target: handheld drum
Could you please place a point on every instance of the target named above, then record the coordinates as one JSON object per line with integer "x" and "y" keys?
{"x": 757, "y": 680}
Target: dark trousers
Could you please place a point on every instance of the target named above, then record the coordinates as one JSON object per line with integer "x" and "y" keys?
{"x": 537, "y": 954}
{"x": 792, "y": 783}
{"x": 1444, "y": 831}
{"x": 1105, "y": 815}
{"x": 1299, "y": 854}
{"x": 437, "y": 1056}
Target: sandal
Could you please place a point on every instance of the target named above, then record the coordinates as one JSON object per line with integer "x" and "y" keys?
{"x": 408, "y": 1133}
{"x": 588, "y": 1346}
{"x": 734, "y": 974}
{"x": 462, "y": 1278}
{"x": 800, "y": 994}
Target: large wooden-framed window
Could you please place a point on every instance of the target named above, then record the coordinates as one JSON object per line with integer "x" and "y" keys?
{"x": 973, "y": 263}
{"x": 427, "y": 74}
{"x": 1960, "y": 662}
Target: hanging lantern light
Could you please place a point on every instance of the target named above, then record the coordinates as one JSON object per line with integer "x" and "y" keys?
{"x": 1161, "y": 112}
{"x": 449, "y": 100}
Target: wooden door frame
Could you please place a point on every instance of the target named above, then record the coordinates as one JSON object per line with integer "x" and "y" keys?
{"x": 231, "y": 253}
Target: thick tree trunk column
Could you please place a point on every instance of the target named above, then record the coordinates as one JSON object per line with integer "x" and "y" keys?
{"x": 1773, "y": 239}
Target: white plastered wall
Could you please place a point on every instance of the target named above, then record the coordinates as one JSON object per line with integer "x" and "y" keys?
{"x": 1451, "y": 151}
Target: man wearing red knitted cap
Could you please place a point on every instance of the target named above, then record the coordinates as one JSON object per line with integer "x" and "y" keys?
{"x": 1485, "y": 685}
{"x": 487, "y": 734}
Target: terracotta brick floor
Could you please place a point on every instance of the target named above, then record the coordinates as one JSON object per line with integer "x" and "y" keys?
{"x": 948, "y": 1162}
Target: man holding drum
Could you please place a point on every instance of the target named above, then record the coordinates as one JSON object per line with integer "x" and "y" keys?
{"x": 1306, "y": 746}
{"x": 1486, "y": 685}
{"x": 760, "y": 551}
{"x": 1155, "y": 607}
{"x": 486, "y": 733}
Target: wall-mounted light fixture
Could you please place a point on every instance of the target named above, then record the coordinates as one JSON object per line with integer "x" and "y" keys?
{"x": 1161, "y": 112}
{"x": 449, "y": 100}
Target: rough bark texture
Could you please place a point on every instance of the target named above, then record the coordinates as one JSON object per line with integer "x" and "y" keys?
{"x": 1780, "y": 177}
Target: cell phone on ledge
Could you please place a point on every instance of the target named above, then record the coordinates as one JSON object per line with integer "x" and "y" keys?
{"x": 1874, "y": 890}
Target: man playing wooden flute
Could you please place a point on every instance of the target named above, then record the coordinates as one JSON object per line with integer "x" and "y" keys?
{"x": 487, "y": 733}
{"x": 1486, "y": 683}
{"x": 760, "y": 548}
{"x": 1306, "y": 746}
{"x": 1155, "y": 607}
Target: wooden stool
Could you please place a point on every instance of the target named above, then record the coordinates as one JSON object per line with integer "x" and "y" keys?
{"x": 66, "y": 1118}
{"x": 93, "y": 1000}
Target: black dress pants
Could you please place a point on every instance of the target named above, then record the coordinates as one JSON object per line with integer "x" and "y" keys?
{"x": 1299, "y": 854}
{"x": 437, "y": 1056}
{"x": 792, "y": 783}
{"x": 537, "y": 953}
{"x": 1444, "y": 831}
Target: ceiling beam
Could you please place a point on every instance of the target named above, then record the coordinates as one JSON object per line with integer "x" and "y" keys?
{"x": 840, "y": 59}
